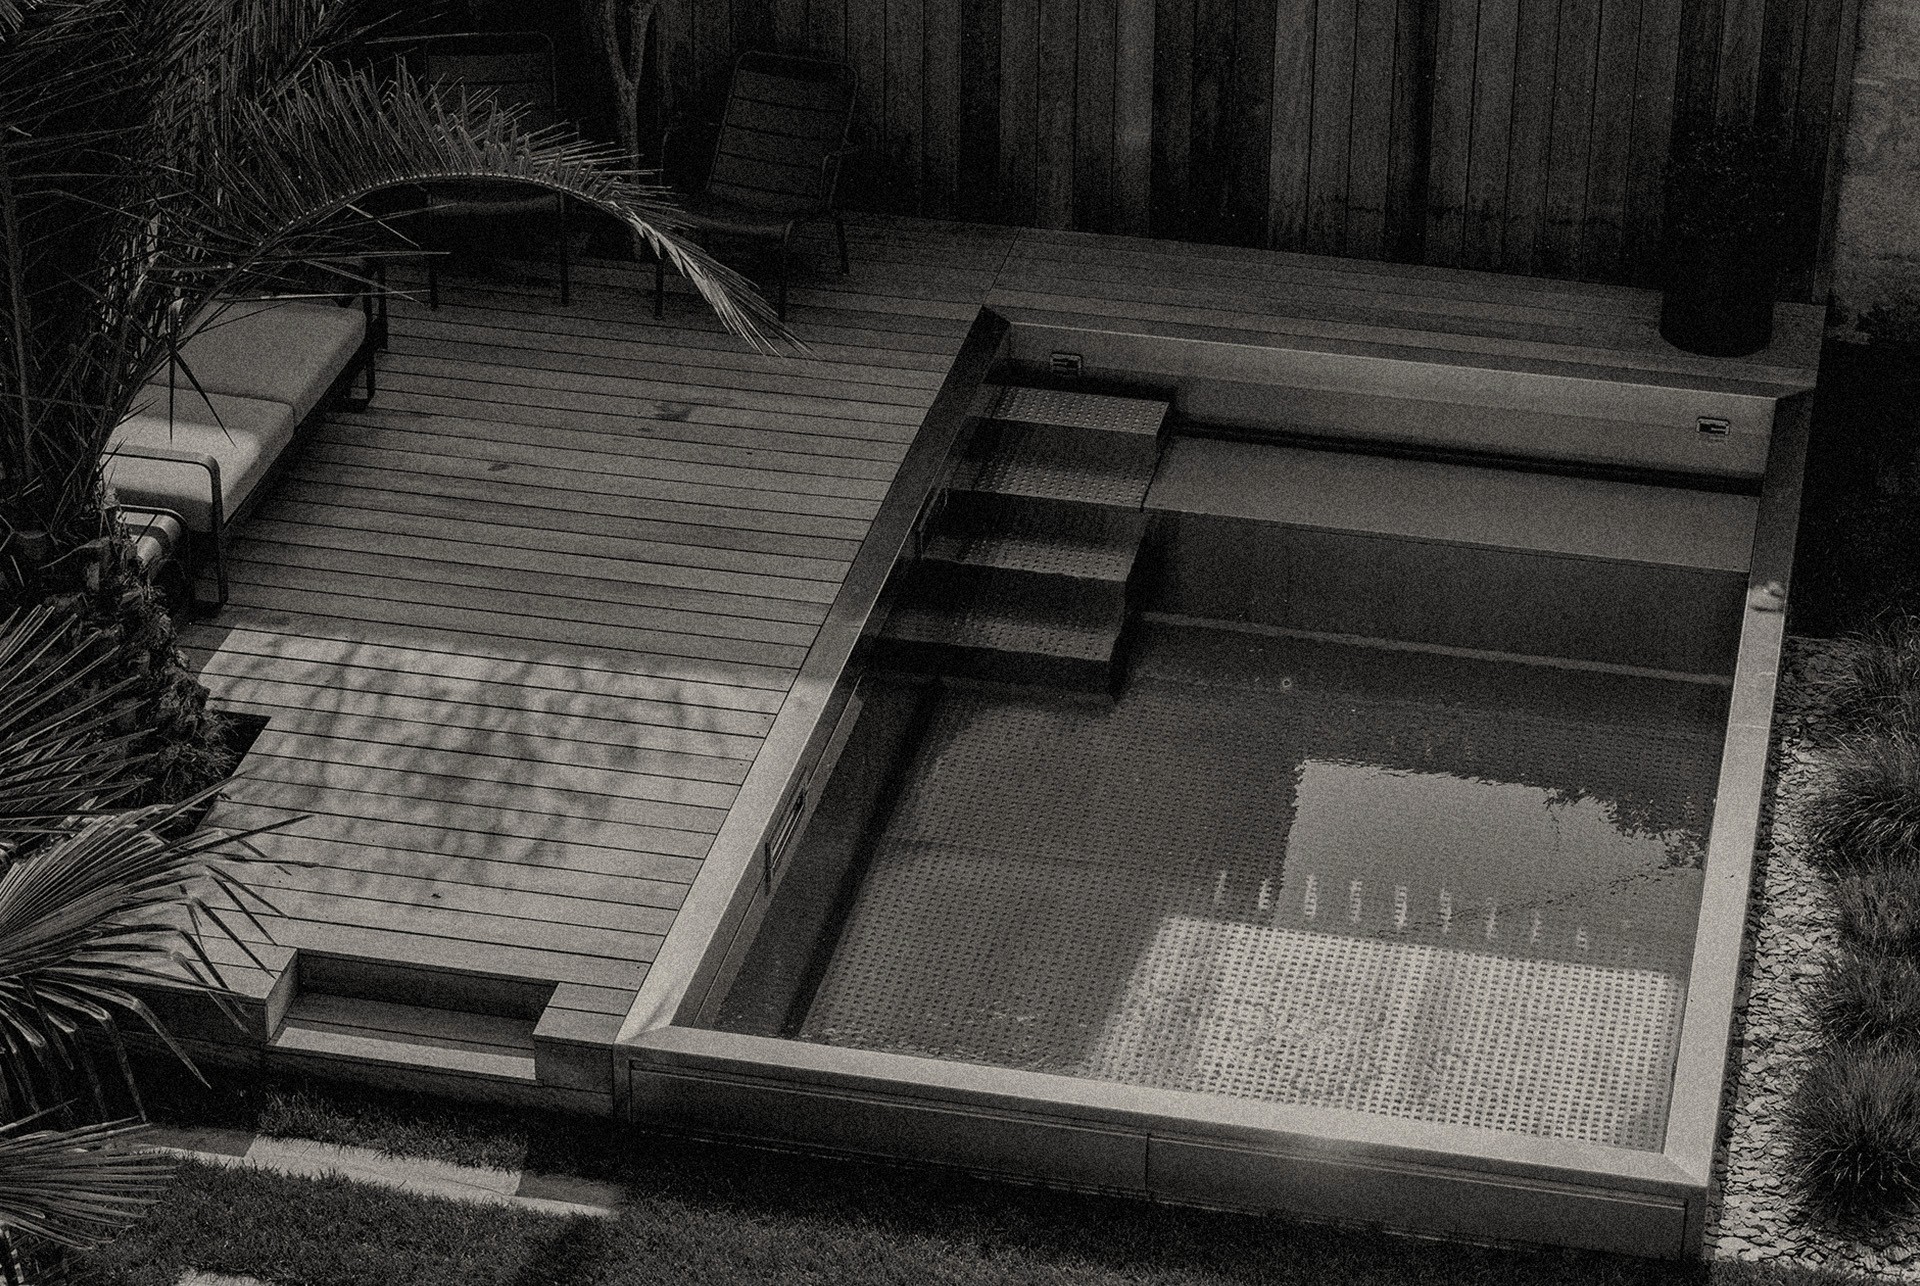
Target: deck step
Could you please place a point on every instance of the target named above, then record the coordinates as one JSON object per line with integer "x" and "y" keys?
{"x": 324, "y": 1028}
{"x": 1071, "y": 409}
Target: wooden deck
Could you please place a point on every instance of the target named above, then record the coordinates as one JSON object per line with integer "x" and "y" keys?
{"x": 521, "y": 627}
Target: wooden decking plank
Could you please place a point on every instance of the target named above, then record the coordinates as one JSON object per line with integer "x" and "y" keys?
{"x": 665, "y": 655}
{"x": 626, "y": 422}
{"x": 554, "y": 388}
{"x": 490, "y": 878}
{"x": 442, "y": 743}
{"x": 361, "y": 524}
{"x": 399, "y": 888}
{"x": 347, "y": 910}
{"x": 430, "y": 951}
{"x": 461, "y": 852}
{"x": 546, "y": 801}
{"x": 632, "y": 436}
{"x": 264, "y": 563}
{"x": 511, "y": 567}
{"x": 559, "y": 333}
{"x": 487, "y": 757}
{"x": 304, "y": 637}
{"x": 509, "y": 460}
{"x": 632, "y": 536}
{"x": 515, "y": 363}
{"x": 581, "y": 998}
{"x": 382, "y": 674}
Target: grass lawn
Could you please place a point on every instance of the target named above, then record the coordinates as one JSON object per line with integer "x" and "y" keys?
{"x": 709, "y": 1213}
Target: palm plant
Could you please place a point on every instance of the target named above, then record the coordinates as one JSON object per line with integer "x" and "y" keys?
{"x": 96, "y": 901}
{"x": 157, "y": 154}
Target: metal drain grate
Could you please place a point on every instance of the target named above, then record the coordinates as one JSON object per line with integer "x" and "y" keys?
{"x": 1236, "y": 889}
{"x": 1081, "y": 410}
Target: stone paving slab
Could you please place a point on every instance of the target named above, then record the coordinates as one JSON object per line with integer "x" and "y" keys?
{"x": 546, "y": 1193}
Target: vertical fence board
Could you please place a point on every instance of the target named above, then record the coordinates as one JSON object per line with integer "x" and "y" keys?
{"x": 866, "y": 52}
{"x": 977, "y": 153}
{"x": 1604, "y": 227}
{"x": 1737, "y": 75}
{"x": 1484, "y": 221}
{"x": 1290, "y": 131}
{"x": 905, "y": 58}
{"x": 1370, "y": 140}
{"x": 1406, "y": 216}
{"x": 681, "y": 71}
{"x": 1557, "y": 253}
{"x": 1019, "y": 109}
{"x": 752, "y": 24}
{"x": 1059, "y": 20}
{"x": 1826, "y": 89}
{"x": 1536, "y": 54}
{"x": 712, "y": 42}
{"x": 1093, "y": 116}
{"x": 940, "y": 112}
{"x": 1653, "y": 92}
{"x": 1456, "y": 31}
{"x": 789, "y": 26}
{"x": 1250, "y": 123}
{"x": 1133, "y": 116}
{"x": 1210, "y": 157}
{"x": 1172, "y": 115}
{"x": 827, "y": 30}
{"x": 1699, "y": 57}
{"x": 1332, "y": 127}
{"x": 1780, "y": 54}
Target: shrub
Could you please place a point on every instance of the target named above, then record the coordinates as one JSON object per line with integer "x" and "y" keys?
{"x": 1869, "y": 999}
{"x": 1865, "y": 814}
{"x": 1875, "y": 683}
{"x": 1880, "y": 909}
{"x": 1854, "y": 1126}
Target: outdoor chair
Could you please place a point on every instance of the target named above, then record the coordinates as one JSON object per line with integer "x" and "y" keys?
{"x": 776, "y": 158}
{"x": 517, "y": 68}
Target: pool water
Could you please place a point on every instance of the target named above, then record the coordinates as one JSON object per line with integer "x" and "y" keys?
{"x": 1426, "y": 886}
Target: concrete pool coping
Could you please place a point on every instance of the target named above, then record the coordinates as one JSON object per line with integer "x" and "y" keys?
{"x": 1456, "y": 1180}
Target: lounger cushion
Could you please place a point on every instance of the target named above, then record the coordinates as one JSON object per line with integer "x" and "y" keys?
{"x": 245, "y": 435}
{"x": 155, "y": 536}
{"x": 282, "y": 351}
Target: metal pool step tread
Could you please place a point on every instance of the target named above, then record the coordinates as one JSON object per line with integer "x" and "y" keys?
{"x": 1109, "y": 560}
{"x": 1029, "y": 462}
{"x": 324, "y": 1027}
{"x": 1070, "y": 409}
{"x": 1010, "y": 638}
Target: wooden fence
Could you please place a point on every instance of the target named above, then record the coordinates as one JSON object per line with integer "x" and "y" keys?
{"x": 1521, "y": 135}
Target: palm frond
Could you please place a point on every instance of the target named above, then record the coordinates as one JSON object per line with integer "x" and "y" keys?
{"x": 77, "y": 1187}
{"x": 69, "y": 741}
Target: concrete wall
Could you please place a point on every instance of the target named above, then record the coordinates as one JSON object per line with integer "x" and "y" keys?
{"x": 1877, "y": 234}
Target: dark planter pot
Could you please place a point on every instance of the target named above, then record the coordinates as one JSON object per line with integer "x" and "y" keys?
{"x": 1719, "y": 302}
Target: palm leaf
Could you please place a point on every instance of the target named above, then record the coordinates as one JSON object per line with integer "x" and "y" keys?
{"x": 77, "y": 1187}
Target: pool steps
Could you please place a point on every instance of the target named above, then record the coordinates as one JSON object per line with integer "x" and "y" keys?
{"x": 1023, "y": 577}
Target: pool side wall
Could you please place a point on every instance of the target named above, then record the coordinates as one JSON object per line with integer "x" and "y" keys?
{"x": 1459, "y": 1181}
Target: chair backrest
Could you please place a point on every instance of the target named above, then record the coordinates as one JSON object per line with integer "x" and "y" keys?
{"x": 516, "y": 67}
{"x": 782, "y": 133}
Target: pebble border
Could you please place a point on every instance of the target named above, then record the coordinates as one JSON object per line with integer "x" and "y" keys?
{"x": 1792, "y": 932}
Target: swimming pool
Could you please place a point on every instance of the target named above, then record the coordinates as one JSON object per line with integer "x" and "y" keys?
{"x": 1367, "y": 839}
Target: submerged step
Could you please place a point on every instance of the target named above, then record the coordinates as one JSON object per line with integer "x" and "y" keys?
{"x": 1014, "y": 638}
{"x": 1033, "y": 460}
{"x": 1039, "y": 555}
{"x": 1038, "y": 537}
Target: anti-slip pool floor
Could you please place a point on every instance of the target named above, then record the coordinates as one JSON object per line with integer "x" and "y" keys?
{"x": 1428, "y": 887}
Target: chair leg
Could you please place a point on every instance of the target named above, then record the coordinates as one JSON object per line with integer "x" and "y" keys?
{"x": 659, "y": 285}
{"x": 566, "y": 279}
{"x": 433, "y": 282}
{"x": 840, "y": 229}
